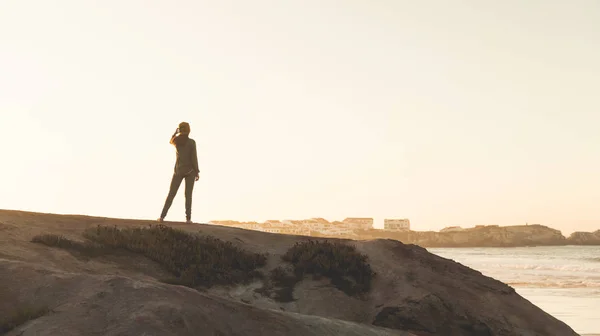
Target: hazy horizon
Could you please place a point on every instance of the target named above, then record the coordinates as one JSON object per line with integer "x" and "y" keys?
{"x": 462, "y": 113}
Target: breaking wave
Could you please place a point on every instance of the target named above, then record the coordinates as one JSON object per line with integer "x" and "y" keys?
{"x": 555, "y": 284}
{"x": 556, "y": 267}
{"x": 545, "y": 267}
{"x": 563, "y": 281}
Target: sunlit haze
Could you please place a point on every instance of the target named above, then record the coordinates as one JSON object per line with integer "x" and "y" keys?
{"x": 443, "y": 112}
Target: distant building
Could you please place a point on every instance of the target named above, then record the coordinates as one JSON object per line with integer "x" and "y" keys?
{"x": 359, "y": 223}
{"x": 337, "y": 231}
{"x": 396, "y": 224}
{"x": 224, "y": 222}
{"x": 452, "y": 229}
{"x": 312, "y": 226}
{"x": 286, "y": 229}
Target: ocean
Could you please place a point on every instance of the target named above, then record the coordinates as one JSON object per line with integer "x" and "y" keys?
{"x": 563, "y": 281}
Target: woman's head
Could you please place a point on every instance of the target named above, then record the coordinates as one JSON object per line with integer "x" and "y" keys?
{"x": 184, "y": 128}
{"x": 183, "y": 136}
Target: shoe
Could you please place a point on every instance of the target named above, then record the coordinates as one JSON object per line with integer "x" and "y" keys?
{"x": 160, "y": 220}
{"x": 189, "y": 221}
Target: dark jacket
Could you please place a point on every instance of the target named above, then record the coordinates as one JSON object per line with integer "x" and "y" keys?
{"x": 187, "y": 158}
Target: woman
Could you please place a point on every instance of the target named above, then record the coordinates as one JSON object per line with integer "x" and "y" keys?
{"x": 186, "y": 167}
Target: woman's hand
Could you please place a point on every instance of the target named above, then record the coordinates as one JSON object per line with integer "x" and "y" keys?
{"x": 197, "y": 176}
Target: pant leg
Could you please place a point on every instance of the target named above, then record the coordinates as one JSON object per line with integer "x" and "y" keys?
{"x": 189, "y": 187}
{"x": 175, "y": 183}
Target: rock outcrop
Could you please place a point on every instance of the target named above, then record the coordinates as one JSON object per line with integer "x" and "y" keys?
{"x": 85, "y": 304}
{"x": 484, "y": 236}
{"x": 414, "y": 293}
{"x": 584, "y": 238}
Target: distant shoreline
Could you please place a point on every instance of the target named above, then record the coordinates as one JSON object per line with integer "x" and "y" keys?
{"x": 482, "y": 236}
{"x": 534, "y": 235}
{"x": 508, "y": 247}
{"x": 528, "y": 235}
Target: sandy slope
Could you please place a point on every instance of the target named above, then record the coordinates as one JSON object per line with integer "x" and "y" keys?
{"x": 414, "y": 291}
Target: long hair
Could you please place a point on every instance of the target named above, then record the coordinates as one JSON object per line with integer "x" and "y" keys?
{"x": 184, "y": 135}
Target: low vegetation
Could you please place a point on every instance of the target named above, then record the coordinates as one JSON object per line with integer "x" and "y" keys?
{"x": 19, "y": 317}
{"x": 193, "y": 260}
{"x": 86, "y": 248}
{"x": 196, "y": 260}
{"x": 284, "y": 281}
{"x": 347, "y": 269}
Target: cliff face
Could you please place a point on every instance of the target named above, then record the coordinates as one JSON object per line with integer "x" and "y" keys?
{"x": 414, "y": 292}
{"x": 487, "y": 236}
{"x": 584, "y": 238}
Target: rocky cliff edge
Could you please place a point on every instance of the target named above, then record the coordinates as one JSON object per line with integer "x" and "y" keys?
{"x": 414, "y": 292}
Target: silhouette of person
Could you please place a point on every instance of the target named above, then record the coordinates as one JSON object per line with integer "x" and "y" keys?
{"x": 186, "y": 167}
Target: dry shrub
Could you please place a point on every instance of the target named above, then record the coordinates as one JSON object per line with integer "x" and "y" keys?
{"x": 285, "y": 282}
{"x": 194, "y": 260}
{"x": 86, "y": 248}
{"x": 348, "y": 270}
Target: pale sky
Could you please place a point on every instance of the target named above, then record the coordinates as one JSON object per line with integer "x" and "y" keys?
{"x": 443, "y": 112}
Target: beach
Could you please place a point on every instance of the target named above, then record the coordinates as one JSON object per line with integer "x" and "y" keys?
{"x": 564, "y": 281}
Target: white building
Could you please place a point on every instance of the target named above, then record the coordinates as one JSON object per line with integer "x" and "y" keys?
{"x": 285, "y": 229}
{"x": 271, "y": 229}
{"x": 396, "y": 224}
{"x": 360, "y": 223}
{"x": 313, "y": 224}
{"x": 337, "y": 231}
